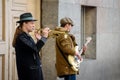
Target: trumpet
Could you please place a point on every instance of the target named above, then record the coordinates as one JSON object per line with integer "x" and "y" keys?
{"x": 52, "y": 33}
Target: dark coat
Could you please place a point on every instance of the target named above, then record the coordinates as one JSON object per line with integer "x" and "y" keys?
{"x": 27, "y": 57}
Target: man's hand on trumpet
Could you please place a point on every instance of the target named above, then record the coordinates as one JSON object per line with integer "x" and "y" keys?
{"x": 44, "y": 33}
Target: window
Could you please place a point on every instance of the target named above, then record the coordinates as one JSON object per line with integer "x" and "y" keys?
{"x": 88, "y": 28}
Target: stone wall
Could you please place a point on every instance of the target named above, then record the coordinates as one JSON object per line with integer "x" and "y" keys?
{"x": 106, "y": 66}
{"x": 50, "y": 19}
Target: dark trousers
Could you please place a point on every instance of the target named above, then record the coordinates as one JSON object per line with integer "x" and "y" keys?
{"x": 70, "y": 77}
{"x": 31, "y": 73}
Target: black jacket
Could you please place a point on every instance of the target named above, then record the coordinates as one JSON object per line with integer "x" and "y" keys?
{"x": 27, "y": 57}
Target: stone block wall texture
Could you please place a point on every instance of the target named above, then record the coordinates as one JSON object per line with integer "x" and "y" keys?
{"x": 50, "y": 19}
{"x": 106, "y": 66}
{"x": 50, "y": 13}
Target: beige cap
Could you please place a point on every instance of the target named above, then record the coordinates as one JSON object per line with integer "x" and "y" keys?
{"x": 65, "y": 21}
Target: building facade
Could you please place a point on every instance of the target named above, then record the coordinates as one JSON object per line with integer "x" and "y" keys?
{"x": 99, "y": 19}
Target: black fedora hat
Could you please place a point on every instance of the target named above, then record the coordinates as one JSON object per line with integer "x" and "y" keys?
{"x": 26, "y": 17}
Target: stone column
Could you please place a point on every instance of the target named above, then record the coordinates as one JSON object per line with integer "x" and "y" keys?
{"x": 48, "y": 60}
{"x": 50, "y": 13}
{"x": 49, "y": 18}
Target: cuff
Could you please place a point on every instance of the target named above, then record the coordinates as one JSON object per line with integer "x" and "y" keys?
{"x": 44, "y": 39}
